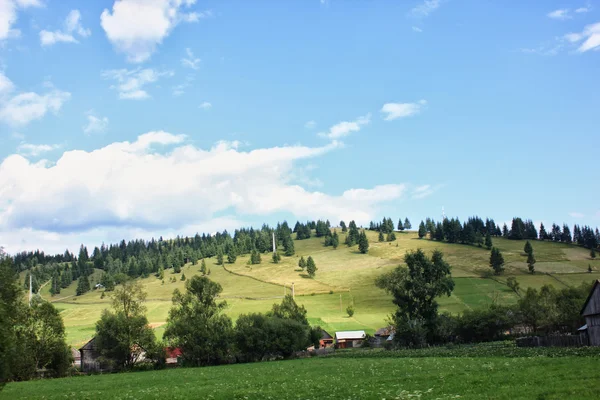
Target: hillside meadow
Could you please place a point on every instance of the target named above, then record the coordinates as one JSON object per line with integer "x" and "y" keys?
{"x": 344, "y": 277}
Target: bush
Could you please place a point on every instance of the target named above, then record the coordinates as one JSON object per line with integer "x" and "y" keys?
{"x": 350, "y": 310}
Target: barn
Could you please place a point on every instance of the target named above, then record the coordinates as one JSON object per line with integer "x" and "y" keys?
{"x": 326, "y": 339}
{"x": 591, "y": 313}
{"x": 89, "y": 358}
{"x": 349, "y": 339}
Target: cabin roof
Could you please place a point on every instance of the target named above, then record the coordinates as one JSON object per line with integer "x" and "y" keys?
{"x": 350, "y": 335}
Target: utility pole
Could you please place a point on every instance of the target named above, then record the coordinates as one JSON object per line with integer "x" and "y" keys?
{"x": 293, "y": 291}
{"x": 274, "y": 248}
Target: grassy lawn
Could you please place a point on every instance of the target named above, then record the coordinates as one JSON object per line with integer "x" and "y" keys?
{"x": 340, "y": 378}
{"x": 349, "y": 275}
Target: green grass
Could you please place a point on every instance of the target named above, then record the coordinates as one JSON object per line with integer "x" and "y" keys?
{"x": 348, "y": 274}
{"x": 340, "y": 378}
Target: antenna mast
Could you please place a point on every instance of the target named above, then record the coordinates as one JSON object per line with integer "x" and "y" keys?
{"x": 443, "y": 214}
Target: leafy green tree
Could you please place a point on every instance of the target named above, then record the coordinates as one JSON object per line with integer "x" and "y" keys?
{"x": 311, "y": 267}
{"x": 512, "y": 283}
{"x": 415, "y": 290}
{"x": 176, "y": 268}
{"x": 197, "y": 325}
{"x": 381, "y": 238}
{"x": 528, "y": 249}
{"x": 531, "y": 262}
{"x": 161, "y": 273}
{"x": 496, "y": 261}
{"x": 363, "y": 243}
{"x": 55, "y": 284}
{"x": 124, "y": 333}
{"x": 276, "y": 257}
{"x": 302, "y": 263}
{"x": 108, "y": 282}
{"x": 488, "y": 241}
{"x": 350, "y": 310}
{"x": 289, "y": 309}
{"x": 335, "y": 240}
{"x": 422, "y": 230}
{"x": 407, "y": 224}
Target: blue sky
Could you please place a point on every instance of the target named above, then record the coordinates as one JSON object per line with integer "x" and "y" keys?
{"x": 139, "y": 118}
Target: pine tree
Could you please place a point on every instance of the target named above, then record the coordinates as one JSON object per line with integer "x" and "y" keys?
{"x": 183, "y": 277}
{"x": 220, "y": 256}
{"x": 203, "y": 267}
{"x": 335, "y": 240}
{"x": 488, "y": 241}
{"x": 255, "y": 257}
{"x": 505, "y": 231}
{"x": 363, "y": 243}
{"x": 302, "y": 263}
{"x": 381, "y": 238}
{"x": 311, "y": 267}
{"x": 593, "y": 253}
{"x": 497, "y": 261}
{"x": 407, "y": 224}
{"x": 343, "y": 226}
{"x": 528, "y": 249}
{"x": 276, "y": 257}
{"x": 288, "y": 246}
{"x": 83, "y": 285}
{"x": 531, "y": 262}
{"x": 231, "y": 255}
{"x": 543, "y": 234}
{"x": 391, "y": 237}
{"x": 478, "y": 239}
{"x": 400, "y": 225}
{"x": 422, "y": 230}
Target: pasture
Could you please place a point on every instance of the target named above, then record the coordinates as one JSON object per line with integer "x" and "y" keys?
{"x": 344, "y": 277}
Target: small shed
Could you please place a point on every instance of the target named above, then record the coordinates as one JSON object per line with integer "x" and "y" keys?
{"x": 326, "y": 339}
{"x": 382, "y": 335}
{"x": 89, "y": 357}
{"x": 591, "y": 313}
{"x": 349, "y": 339}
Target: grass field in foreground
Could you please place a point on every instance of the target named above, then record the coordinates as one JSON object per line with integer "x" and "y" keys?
{"x": 349, "y": 275}
{"x": 339, "y": 378}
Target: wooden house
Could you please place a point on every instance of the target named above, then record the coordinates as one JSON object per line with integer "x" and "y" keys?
{"x": 349, "y": 339}
{"x": 326, "y": 339}
{"x": 381, "y": 336}
{"x": 89, "y": 358}
{"x": 591, "y": 313}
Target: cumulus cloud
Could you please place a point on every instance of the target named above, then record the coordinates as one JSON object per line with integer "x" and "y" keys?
{"x": 190, "y": 61}
{"x": 137, "y": 27}
{"x": 130, "y": 83}
{"x": 34, "y": 150}
{"x": 426, "y": 8}
{"x": 590, "y": 37}
{"x": 162, "y": 183}
{"x": 8, "y": 15}
{"x": 344, "y": 128}
{"x": 72, "y": 26}
{"x": 22, "y": 108}
{"x": 94, "y": 123}
{"x": 417, "y": 29}
{"x": 559, "y": 14}
{"x": 205, "y": 105}
{"x": 401, "y": 110}
{"x": 583, "y": 9}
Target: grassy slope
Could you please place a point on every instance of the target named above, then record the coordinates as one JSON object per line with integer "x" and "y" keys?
{"x": 350, "y": 275}
{"x": 337, "y": 378}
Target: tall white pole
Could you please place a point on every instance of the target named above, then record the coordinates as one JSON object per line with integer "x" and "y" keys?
{"x": 274, "y": 249}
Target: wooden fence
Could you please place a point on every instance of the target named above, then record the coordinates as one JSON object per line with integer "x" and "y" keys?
{"x": 553, "y": 341}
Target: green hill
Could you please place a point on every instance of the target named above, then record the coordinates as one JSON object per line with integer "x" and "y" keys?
{"x": 345, "y": 276}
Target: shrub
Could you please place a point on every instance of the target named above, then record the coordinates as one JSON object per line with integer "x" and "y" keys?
{"x": 350, "y": 310}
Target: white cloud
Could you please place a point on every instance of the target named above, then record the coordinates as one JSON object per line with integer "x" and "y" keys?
{"x": 190, "y": 61}
{"x": 131, "y": 83}
{"x": 420, "y": 192}
{"x": 402, "y": 110}
{"x": 310, "y": 124}
{"x": 426, "y": 8}
{"x": 8, "y": 15}
{"x": 583, "y": 9}
{"x": 22, "y": 108}
{"x": 575, "y": 214}
{"x": 34, "y": 150}
{"x": 344, "y": 128}
{"x": 137, "y": 27}
{"x": 591, "y": 34}
{"x": 559, "y": 14}
{"x": 95, "y": 124}
{"x": 149, "y": 188}
{"x": 72, "y": 26}
{"x": 417, "y": 29}
{"x": 205, "y": 105}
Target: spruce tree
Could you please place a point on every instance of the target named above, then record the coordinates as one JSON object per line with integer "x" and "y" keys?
{"x": 363, "y": 243}
{"x": 381, "y": 238}
{"x": 407, "y": 224}
{"x": 593, "y": 253}
{"x": 543, "y": 234}
{"x": 422, "y": 230}
{"x": 231, "y": 255}
{"x": 400, "y": 225}
{"x": 302, "y": 263}
{"x": 531, "y": 262}
{"x": 220, "y": 256}
{"x": 497, "y": 261}
{"x": 391, "y": 237}
{"x": 255, "y": 257}
{"x": 311, "y": 267}
{"x": 488, "y": 241}
{"x": 343, "y": 226}
{"x": 83, "y": 285}
{"x": 203, "y": 267}
{"x": 276, "y": 257}
{"x": 335, "y": 240}
{"x": 288, "y": 246}
{"x": 528, "y": 249}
